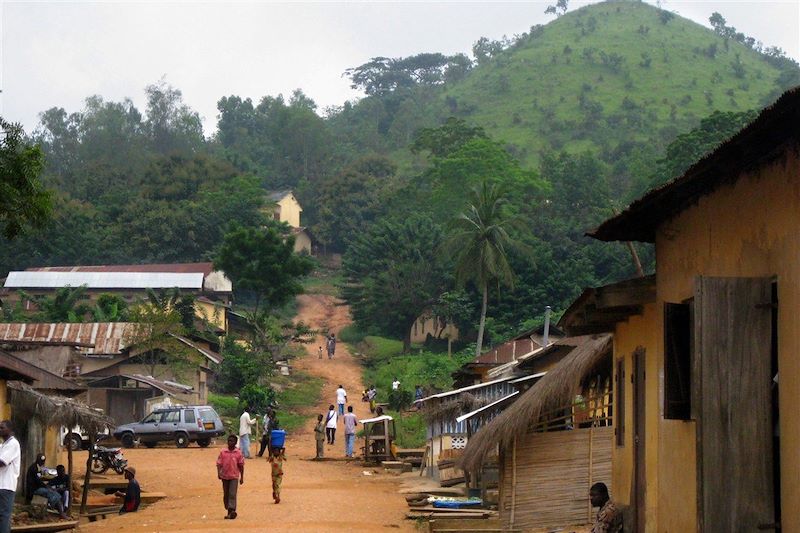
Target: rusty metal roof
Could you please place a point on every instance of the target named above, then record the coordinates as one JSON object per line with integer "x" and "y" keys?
{"x": 92, "y": 338}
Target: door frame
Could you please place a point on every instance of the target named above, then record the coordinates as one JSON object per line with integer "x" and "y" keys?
{"x": 638, "y": 376}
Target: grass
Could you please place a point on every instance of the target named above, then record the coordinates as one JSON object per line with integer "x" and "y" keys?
{"x": 323, "y": 281}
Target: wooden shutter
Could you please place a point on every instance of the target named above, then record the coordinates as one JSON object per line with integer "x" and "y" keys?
{"x": 734, "y": 445}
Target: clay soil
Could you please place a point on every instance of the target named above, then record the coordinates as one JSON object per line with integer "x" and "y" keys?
{"x": 331, "y": 495}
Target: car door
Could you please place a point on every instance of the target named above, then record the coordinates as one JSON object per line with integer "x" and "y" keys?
{"x": 148, "y": 428}
{"x": 169, "y": 423}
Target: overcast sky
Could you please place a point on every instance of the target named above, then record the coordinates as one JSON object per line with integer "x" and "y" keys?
{"x": 58, "y": 53}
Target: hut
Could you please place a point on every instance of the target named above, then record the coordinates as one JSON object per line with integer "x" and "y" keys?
{"x": 38, "y": 413}
{"x": 553, "y": 441}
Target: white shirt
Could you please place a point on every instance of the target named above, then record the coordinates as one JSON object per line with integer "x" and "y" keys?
{"x": 395, "y": 384}
{"x": 245, "y": 423}
{"x": 9, "y": 455}
{"x": 341, "y": 395}
{"x": 332, "y": 418}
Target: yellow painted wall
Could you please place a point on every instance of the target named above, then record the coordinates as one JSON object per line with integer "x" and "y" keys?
{"x": 5, "y": 408}
{"x": 214, "y": 314}
{"x": 287, "y": 209}
{"x": 748, "y": 229}
{"x": 302, "y": 242}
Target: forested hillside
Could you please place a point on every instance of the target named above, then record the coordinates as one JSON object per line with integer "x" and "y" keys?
{"x": 573, "y": 119}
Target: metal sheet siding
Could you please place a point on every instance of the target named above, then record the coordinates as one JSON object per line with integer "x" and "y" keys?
{"x": 108, "y": 337}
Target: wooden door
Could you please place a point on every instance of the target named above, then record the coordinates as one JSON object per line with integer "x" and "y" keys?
{"x": 640, "y": 472}
{"x": 734, "y": 432}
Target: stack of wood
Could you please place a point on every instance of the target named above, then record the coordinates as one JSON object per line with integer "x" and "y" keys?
{"x": 411, "y": 455}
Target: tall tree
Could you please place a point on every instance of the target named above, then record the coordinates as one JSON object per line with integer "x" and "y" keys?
{"x": 394, "y": 272}
{"x": 480, "y": 243}
{"x": 24, "y": 201}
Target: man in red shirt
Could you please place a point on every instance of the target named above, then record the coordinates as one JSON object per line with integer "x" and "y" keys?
{"x": 230, "y": 469}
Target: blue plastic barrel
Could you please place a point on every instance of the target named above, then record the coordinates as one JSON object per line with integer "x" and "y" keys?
{"x": 277, "y": 438}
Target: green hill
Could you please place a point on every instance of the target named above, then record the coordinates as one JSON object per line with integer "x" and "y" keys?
{"x": 620, "y": 79}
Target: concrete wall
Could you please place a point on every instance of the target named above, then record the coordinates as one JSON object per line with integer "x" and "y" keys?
{"x": 302, "y": 243}
{"x": 425, "y": 325}
{"x": 748, "y": 229}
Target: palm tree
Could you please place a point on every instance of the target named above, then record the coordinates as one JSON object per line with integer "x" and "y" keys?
{"x": 480, "y": 244}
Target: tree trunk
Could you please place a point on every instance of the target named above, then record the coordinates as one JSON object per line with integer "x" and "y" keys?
{"x": 482, "y": 324}
{"x": 407, "y": 340}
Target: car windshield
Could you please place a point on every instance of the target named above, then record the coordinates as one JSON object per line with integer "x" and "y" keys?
{"x": 151, "y": 418}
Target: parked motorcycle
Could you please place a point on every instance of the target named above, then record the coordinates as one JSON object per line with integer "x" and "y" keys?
{"x": 104, "y": 458}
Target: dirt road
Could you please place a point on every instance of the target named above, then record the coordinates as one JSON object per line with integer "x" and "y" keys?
{"x": 316, "y": 496}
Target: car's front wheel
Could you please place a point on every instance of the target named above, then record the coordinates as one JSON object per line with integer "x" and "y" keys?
{"x": 127, "y": 440}
{"x": 182, "y": 440}
{"x": 203, "y": 443}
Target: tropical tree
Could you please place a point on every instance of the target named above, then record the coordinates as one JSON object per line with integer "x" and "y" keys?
{"x": 480, "y": 245}
{"x": 109, "y": 308}
{"x": 67, "y": 304}
{"x": 154, "y": 339}
{"x": 23, "y": 199}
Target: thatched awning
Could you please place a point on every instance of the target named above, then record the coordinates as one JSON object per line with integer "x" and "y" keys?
{"x": 55, "y": 410}
{"x": 555, "y": 390}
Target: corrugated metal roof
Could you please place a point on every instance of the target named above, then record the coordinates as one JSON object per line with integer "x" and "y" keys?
{"x": 104, "y": 280}
{"x": 97, "y": 338}
{"x": 185, "y": 268}
{"x": 277, "y": 196}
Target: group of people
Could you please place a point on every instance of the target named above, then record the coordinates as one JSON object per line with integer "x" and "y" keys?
{"x": 230, "y": 462}
{"x": 330, "y": 346}
{"x": 325, "y": 430}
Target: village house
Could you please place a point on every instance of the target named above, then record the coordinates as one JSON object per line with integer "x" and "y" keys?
{"x": 284, "y": 207}
{"x": 101, "y": 356}
{"x": 706, "y": 367}
{"x": 212, "y": 290}
{"x": 429, "y": 325}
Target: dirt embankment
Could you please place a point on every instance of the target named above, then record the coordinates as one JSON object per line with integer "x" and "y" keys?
{"x": 316, "y": 496}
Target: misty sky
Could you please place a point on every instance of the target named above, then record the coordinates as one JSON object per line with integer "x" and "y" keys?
{"x": 58, "y": 53}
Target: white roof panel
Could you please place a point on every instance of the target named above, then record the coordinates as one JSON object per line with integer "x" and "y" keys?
{"x": 104, "y": 280}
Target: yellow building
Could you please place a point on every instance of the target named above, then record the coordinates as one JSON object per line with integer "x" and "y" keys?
{"x": 284, "y": 207}
{"x": 710, "y": 359}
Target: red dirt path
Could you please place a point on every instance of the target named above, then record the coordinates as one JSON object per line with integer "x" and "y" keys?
{"x": 316, "y": 496}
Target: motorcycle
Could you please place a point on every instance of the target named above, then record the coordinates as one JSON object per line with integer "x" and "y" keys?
{"x": 104, "y": 458}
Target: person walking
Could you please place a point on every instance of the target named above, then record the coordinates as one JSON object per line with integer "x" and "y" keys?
{"x": 277, "y": 456}
{"x": 330, "y": 424}
{"x": 245, "y": 427}
{"x": 372, "y": 393}
{"x": 132, "y": 494}
{"x": 331, "y": 344}
{"x": 350, "y": 423}
{"x": 230, "y": 470}
{"x": 320, "y": 352}
{"x": 396, "y": 384}
{"x": 319, "y": 435}
{"x": 9, "y": 473}
{"x": 341, "y": 399}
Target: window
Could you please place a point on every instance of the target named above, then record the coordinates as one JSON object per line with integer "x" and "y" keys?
{"x": 678, "y": 361}
{"x": 188, "y": 416}
{"x": 151, "y": 418}
{"x": 619, "y": 391}
{"x": 172, "y": 416}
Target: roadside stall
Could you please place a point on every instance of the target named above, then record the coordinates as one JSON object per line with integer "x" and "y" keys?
{"x": 379, "y": 436}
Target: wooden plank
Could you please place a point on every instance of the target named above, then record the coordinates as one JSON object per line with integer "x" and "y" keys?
{"x": 46, "y": 528}
{"x": 733, "y": 350}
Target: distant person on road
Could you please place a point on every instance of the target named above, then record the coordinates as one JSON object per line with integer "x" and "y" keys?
{"x": 350, "y": 423}
{"x": 418, "y": 394}
{"x": 396, "y": 384}
{"x": 341, "y": 399}
{"x": 609, "y": 518}
{"x": 331, "y": 345}
{"x": 230, "y": 469}
{"x": 371, "y": 396}
{"x": 277, "y": 456}
{"x": 132, "y": 493}
{"x": 9, "y": 473}
{"x": 320, "y": 352}
{"x": 330, "y": 424}
{"x": 245, "y": 427}
{"x": 319, "y": 435}
{"x": 35, "y": 485}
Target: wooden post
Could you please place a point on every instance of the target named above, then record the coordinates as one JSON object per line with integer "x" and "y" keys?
{"x": 88, "y": 474}
{"x": 591, "y": 460}
{"x": 513, "y": 482}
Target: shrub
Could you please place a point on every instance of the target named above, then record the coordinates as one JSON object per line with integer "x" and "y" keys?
{"x": 400, "y": 399}
{"x": 351, "y": 334}
{"x": 257, "y": 397}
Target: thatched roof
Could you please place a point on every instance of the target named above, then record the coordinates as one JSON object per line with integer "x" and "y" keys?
{"x": 555, "y": 390}
{"x": 55, "y": 410}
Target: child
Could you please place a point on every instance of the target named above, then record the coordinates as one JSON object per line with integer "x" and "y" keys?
{"x": 320, "y": 352}
{"x": 277, "y": 456}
